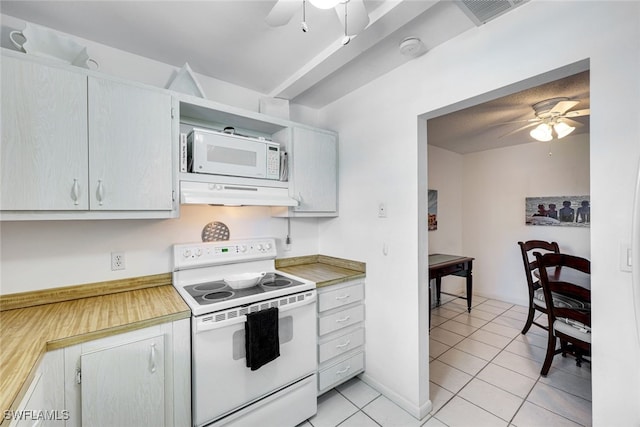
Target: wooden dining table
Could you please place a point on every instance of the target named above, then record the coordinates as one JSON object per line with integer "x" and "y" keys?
{"x": 441, "y": 265}
{"x": 569, "y": 275}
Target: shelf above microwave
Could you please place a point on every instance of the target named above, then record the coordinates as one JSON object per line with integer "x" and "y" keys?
{"x": 201, "y": 112}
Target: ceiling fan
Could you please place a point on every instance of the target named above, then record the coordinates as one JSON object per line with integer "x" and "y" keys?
{"x": 352, "y": 14}
{"x": 553, "y": 118}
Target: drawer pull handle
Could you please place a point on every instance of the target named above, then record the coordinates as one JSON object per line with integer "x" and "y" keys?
{"x": 343, "y": 371}
{"x": 344, "y": 345}
{"x": 344, "y": 319}
{"x": 345, "y": 296}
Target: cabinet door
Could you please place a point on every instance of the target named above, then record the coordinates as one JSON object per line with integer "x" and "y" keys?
{"x": 130, "y": 150}
{"x": 43, "y": 403}
{"x": 314, "y": 170}
{"x": 44, "y": 137}
{"x": 124, "y": 385}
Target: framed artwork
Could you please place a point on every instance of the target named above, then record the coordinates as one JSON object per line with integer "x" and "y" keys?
{"x": 564, "y": 211}
{"x": 433, "y": 209}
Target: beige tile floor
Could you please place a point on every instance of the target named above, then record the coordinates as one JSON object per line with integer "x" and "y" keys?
{"x": 483, "y": 372}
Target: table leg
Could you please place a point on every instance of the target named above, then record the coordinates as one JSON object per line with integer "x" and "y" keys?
{"x": 469, "y": 289}
{"x": 429, "y": 305}
{"x": 438, "y": 284}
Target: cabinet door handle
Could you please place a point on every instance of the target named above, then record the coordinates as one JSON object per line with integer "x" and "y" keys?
{"x": 75, "y": 192}
{"x": 345, "y": 296}
{"x": 344, "y": 319}
{"x": 100, "y": 192}
{"x": 343, "y": 345}
{"x": 343, "y": 371}
{"x": 152, "y": 359}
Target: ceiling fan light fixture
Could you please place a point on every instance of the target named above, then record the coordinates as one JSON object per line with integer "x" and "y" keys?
{"x": 562, "y": 129}
{"x": 542, "y": 132}
{"x": 325, "y": 4}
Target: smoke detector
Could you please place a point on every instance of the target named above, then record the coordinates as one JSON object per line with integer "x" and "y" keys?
{"x": 411, "y": 46}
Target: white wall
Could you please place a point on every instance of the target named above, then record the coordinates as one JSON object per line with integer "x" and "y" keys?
{"x": 378, "y": 148}
{"x": 446, "y": 175}
{"x": 496, "y": 183}
{"x": 46, "y": 254}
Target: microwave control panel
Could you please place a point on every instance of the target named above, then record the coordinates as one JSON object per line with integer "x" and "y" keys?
{"x": 273, "y": 161}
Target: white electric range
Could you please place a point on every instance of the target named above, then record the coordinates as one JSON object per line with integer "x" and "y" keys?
{"x": 225, "y": 391}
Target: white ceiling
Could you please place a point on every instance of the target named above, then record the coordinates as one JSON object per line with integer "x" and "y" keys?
{"x": 230, "y": 41}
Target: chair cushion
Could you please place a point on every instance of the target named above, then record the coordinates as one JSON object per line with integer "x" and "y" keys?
{"x": 558, "y": 300}
{"x": 574, "y": 329}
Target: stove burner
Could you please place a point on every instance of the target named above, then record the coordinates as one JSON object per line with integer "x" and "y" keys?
{"x": 213, "y": 286}
{"x": 218, "y": 296}
{"x": 277, "y": 283}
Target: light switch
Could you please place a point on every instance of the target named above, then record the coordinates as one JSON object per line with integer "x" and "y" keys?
{"x": 625, "y": 257}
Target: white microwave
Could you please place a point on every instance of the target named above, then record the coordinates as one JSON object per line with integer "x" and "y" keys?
{"x": 220, "y": 153}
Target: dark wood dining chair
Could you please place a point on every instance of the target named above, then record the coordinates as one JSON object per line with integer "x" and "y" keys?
{"x": 536, "y": 296}
{"x": 567, "y": 322}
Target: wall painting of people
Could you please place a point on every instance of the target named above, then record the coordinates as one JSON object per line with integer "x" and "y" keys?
{"x": 433, "y": 209}
{"x": 569, "y": 211}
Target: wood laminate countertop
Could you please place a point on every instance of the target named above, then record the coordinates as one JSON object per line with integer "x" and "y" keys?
{"x": 322, "y": 269}
{"x": 59, "y": 320}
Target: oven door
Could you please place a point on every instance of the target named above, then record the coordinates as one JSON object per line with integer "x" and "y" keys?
{"x": 222, "y": 383}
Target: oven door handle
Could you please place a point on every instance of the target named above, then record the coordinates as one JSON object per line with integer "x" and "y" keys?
{"x": 222, "y": 319}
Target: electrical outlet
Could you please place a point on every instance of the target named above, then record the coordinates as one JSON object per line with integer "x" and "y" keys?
{"x": 117, "y": 261}
{"x": 382, "y": 210}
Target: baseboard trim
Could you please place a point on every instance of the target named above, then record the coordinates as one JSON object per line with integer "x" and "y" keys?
{"x": 418, "y": 412}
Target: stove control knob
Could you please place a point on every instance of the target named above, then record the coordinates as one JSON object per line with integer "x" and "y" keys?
{"x": 187, "y": 253}
{"x": 260, "y": 247}
{"x": 268, "y": 246}
{"x": 242, "y": 248}
{"x": 198, "y": 252}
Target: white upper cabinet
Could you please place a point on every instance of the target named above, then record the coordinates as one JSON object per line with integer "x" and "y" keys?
{"x": 76, "y": 145}
{"x": 313, "y": 172}
{"x": 130, "y": 163}
{"x": 44, "y": 137}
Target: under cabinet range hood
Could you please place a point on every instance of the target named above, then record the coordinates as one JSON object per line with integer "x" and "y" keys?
{"x": 205, "y": 193}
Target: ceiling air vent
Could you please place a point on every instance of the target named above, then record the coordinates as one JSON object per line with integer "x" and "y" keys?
{"x": 482, "y": 11}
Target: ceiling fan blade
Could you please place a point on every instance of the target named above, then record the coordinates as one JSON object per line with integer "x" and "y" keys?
{"x": 578, "y": 113}
{"x": 282, "y": 12}
{"x": 572, "y": 122}
{"x": 562, "y": 107}
{"x": 519, "y": 129}
{"x": 515, "y": 121}
{"x": 357, "y": 16}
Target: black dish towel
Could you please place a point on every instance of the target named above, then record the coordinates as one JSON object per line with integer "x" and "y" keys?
{"x": 262, "y": 343}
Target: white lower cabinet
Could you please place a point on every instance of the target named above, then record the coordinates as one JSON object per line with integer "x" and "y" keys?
{"x": 341, "y": 333}
{"x": 43, "y": 402}
{"x": 138, "y": 378}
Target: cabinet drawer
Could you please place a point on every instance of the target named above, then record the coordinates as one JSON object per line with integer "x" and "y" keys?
{"x": 341, "y": 319}
{"x": 340, "y": 345}
{"x": 340, "y": 372}
{"x": 340, "y": 297}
